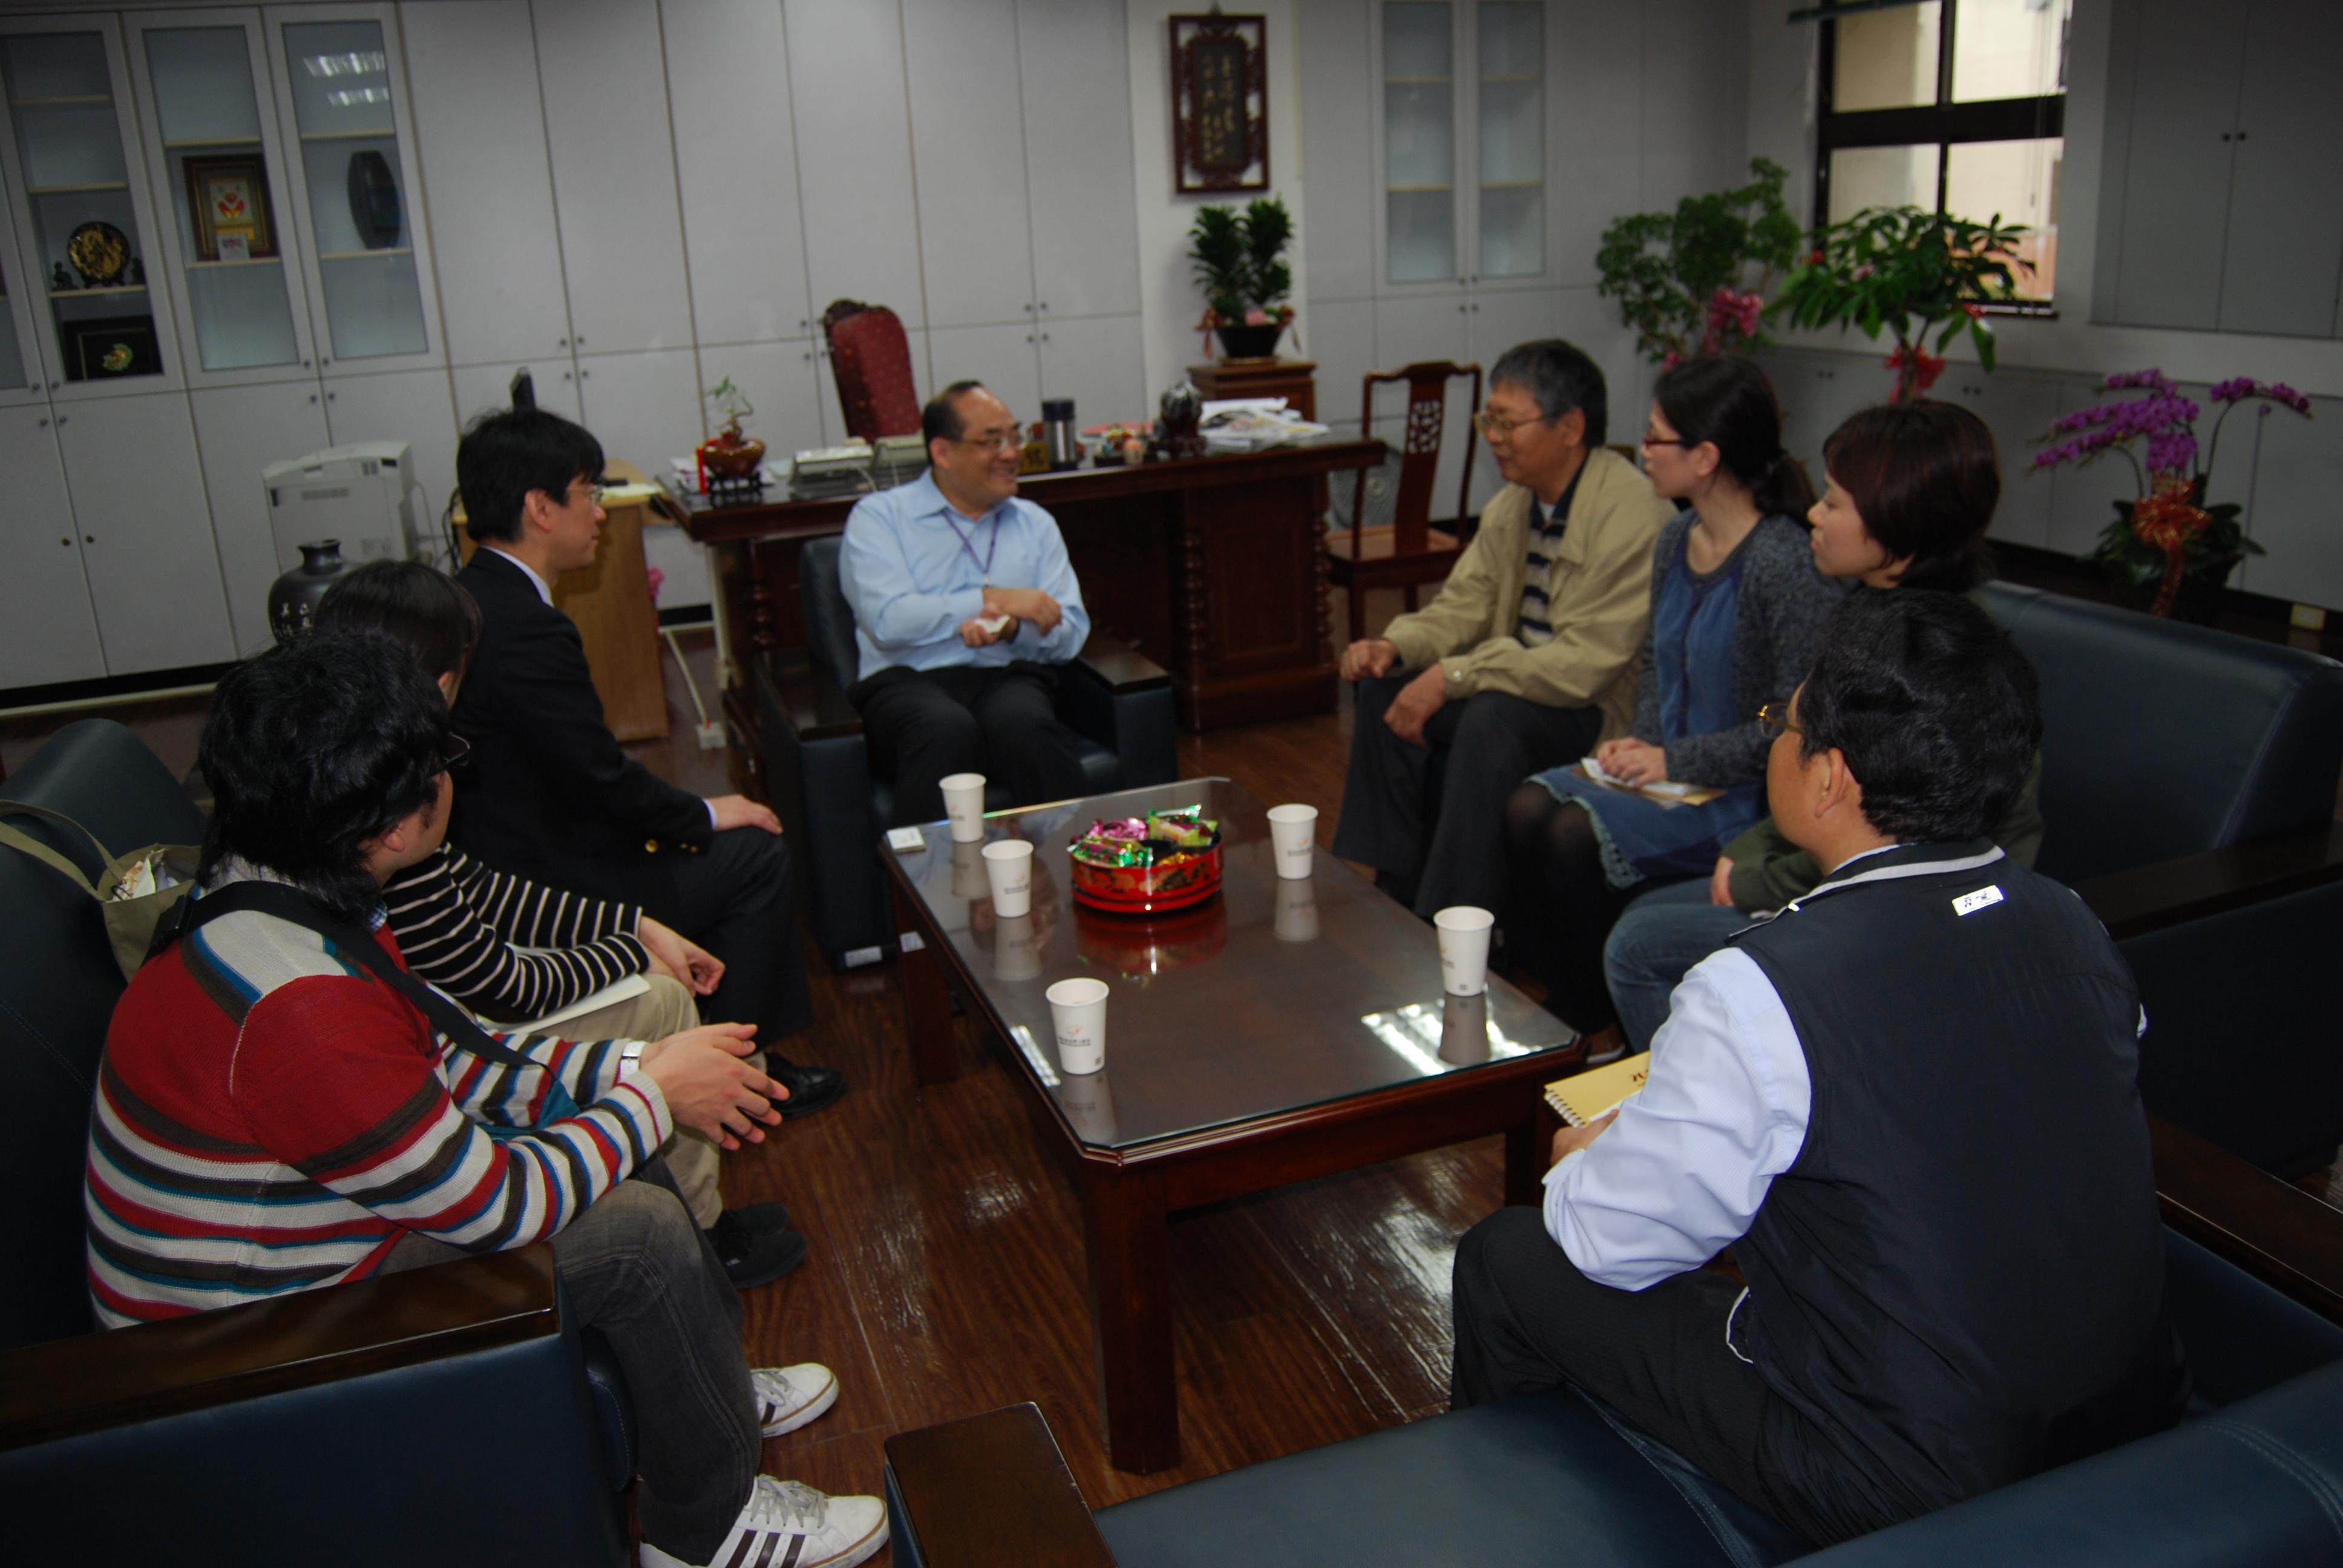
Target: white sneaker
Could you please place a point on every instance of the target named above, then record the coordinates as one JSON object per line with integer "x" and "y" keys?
{"x": 788, "y": 1525}
{"x": 789, "y": 1397}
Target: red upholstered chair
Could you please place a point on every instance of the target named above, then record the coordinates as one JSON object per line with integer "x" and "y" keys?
{"x": 872, "y": 361}
{"x": 1408, "y": 552}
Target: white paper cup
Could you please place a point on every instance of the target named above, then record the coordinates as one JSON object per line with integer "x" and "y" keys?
{"x": 1465, "y": 1030}
{"x": 967, "y": 872}
{"x": 964, "y": 804}
{"x": 1297, "y": 911}
{"x": 1008, "y": 866}
{"x": 1016, "y": 949}
{"x": 1292, "y": 834}
{"x": 1077, "y": 1012}
{"x": 1464, "y": 949}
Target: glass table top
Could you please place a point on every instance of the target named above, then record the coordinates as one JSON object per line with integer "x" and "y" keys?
{"x": 1272, "y": 996}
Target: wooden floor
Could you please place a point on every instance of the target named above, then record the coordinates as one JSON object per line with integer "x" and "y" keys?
{"x": 947, "y": 1274}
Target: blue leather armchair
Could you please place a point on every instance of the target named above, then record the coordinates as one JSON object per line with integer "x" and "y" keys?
{"x": 2188, "y": 790}
{"x": 449, "y": 1414}
{"x": 2250, "y": 1478}
{"x": 818, "y": 771}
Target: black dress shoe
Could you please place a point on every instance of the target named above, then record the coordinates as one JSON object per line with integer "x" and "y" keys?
{"x": 753, "y": 1249}
{"x": 811, "y": 1088}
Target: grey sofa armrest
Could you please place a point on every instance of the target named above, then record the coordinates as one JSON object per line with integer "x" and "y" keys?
{"x": 2214, "y": 881}
{"x": 990, "y": 1491}
{"x": 811, "y": 701}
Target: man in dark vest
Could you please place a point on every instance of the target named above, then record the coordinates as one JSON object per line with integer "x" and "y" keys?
{"x": 1907, "y": 1103}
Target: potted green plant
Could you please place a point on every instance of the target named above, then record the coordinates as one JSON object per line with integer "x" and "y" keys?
{"x": 1912, "y": 272}
{"x": 2169, "y": 549}
{"x": 729, "y": 453}
{"x": 1239, "y": 263}
{"x": 1693, "y": 281}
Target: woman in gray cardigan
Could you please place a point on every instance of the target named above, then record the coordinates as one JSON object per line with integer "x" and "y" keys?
{"x": 1737, "y": 612}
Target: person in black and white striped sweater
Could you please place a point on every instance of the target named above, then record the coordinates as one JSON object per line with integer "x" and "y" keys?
{"x": 512, "y": 950}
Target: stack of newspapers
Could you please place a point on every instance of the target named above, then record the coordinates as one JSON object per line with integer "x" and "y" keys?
{"x": 830, "y": 471}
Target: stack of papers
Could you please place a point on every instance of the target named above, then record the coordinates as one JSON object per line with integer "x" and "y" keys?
{"x": 1255, "y": 423}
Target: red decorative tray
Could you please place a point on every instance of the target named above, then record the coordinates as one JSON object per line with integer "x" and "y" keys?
{"x": 1173, "y": 882}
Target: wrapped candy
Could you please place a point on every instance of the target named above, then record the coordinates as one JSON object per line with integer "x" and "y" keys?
{"x": 1184, "y": 828}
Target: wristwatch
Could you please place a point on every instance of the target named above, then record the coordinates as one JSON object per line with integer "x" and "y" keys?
{"x": 631, "y": 1055}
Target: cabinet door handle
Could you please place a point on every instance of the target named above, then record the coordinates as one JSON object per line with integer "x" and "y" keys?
{"x": 42, "y": 423}
{"x": 304, "y": 364}
{"x": 808, "y": 359}
{"x": 1029, "y": 338}
{"x": 565, "y": 375}
{"x": 583, "y": 374}
{"x": 802, "y": 323}
{"x": 89, "y": 538}
{"x": 1045, "y": 337}
{"x": 313, "y": 397}
{"x": 66, "y": 541}
{"x": 329, "y": 396}
{"x": 61, "y": 421}
{"x": 1045, "y": 304}
{"x": 581, "y": 340}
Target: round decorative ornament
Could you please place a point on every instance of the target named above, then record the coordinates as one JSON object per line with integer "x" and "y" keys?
{"x": 99, "y": 253}
{"x": 293, "y": 597}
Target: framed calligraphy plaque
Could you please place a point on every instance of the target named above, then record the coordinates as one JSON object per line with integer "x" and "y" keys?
{"x": 1220, "y": 103}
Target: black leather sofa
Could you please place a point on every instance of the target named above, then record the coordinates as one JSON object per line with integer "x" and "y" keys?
{"x": 452, "y": 1414}
{"x": 2253, "y": 1477}
{"x": 2188, "y": 793}
{"x": 818, "y": 774}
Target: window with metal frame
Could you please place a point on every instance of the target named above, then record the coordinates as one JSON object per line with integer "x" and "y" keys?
{"x": 1958, "y": 106}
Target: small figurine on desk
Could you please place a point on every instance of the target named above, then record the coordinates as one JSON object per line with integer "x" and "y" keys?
{"x": 134, "y": 271}
{"x": 1179, "y": 415}
{"x": 59, "y": 280}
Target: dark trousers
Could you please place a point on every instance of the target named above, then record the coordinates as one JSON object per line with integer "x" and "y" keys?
{"x": 922, "y": 725}
{"x": 638, "y": 1269}
{"x": 734, "y": 899}
{"x": 1431, "y": 818}
{"x": 1527, "y": 1321}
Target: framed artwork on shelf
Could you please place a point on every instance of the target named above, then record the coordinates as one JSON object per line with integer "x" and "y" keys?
{"x": 111, "y": 346}
{"x": 1220, "y": 103}
{"x": 229, "y": 199}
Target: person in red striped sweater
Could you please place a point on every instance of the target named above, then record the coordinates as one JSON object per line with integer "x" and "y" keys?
{"x": 271, "y": 1118}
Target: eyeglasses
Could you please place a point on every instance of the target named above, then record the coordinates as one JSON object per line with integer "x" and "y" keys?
{"x": 595, "y": 489}
{"x": 455, "y": 753}
{"x": 1652, "y": 440}
{"x": 1007, "y": 440}
{"x": 1490, "y": 424}
{"x": 1775, "y": 717}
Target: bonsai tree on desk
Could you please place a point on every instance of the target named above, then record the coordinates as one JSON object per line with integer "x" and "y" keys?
{"x": 1240, "y": 266}
{"x": 729, "y": 454}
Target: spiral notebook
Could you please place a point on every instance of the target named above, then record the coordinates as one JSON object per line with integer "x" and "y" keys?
{"x": 1591, "y": 1095}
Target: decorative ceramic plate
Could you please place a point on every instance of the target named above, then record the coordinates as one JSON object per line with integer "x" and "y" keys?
{"x": 99, "y": 253}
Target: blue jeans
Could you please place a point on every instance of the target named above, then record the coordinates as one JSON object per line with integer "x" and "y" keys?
{"x": 1661, "y": 934}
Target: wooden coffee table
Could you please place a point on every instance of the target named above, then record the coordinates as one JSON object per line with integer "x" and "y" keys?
{"x": 1281, "y": 1031}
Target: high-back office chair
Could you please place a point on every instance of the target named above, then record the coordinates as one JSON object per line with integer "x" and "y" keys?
{"x": 1408, "y": 551}
{"x": 872, "y": 359}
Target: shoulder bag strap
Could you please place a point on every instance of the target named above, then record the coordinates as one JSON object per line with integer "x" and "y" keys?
{"x": 297, "y": 907}
{"x": 31, "y": 845}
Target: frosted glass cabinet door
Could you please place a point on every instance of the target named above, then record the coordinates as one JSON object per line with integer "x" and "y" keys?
{"x": 20, "y": 366}
{"x": 52, "y": 632}
{"x": 82, "y": 210}
{"x": 1510, "y": 97}
{"x": 1419, "y": 91}
{"x": 339, "y": 94}
{"x": 219, "y": 176}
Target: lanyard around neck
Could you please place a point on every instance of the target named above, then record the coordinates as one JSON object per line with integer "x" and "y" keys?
{"x": 969, "y": 545}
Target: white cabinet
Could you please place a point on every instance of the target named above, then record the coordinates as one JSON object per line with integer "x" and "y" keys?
{"x": 2016, "y": 406}
{"x": 1096, "y": 361}
{"x": 644, "y": 408}
{"x": 784, "y": 382}
{"x": 852, "y": 120}
{"x": 1004, "y": 358}
{"x": 606, "y": 123}
{"x": 219, "y": 164}
{"x": 52, "y": 630}
{"x": 2225, "y": 111}
{"x": 341, "y": 97}
{"x": 1331, "y": 50}
{"x": 242, "y": 430}
{"x": 968, "y": 142}
{"x": 735, "y": 153}
{"x": 137, "y": 491}
{"x": 409, "y": 406}
{"x": 1075, "y": 64}
{"x": 2295, "y": 510}
{"x": 480, "y": 133}
{"x": 69, "y": 140}
{"x": 485, "y": 388}
{"x": 1598, "y": 61}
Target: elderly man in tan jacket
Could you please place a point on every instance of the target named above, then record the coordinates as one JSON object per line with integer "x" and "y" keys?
{"x": 1525, "y": 659}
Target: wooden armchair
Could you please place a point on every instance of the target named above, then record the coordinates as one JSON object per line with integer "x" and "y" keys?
{"x": 1409, "y": 551}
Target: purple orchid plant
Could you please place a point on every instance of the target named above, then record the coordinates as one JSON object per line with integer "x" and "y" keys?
{"x": 2169, "y": 533}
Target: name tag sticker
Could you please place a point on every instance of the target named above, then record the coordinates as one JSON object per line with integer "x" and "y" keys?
{"x": 1970, "y": 903}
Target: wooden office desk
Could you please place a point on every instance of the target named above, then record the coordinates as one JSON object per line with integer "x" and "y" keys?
{"x": 1214, "y": 567}
{"x": 611, "y": 603}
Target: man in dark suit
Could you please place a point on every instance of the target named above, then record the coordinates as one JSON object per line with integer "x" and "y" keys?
{"x": 552, "y": 796}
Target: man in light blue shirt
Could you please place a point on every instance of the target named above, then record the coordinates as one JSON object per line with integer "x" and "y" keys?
{"x": 959, "y": 667}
